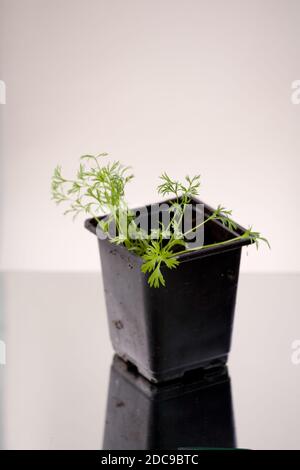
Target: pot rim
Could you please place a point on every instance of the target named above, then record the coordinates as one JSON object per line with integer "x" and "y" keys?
{"x": 91, "y": 225}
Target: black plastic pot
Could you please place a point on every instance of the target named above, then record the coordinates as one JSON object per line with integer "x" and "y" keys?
{"x": 197, "y": 413}
{"x": 168, "y": 331}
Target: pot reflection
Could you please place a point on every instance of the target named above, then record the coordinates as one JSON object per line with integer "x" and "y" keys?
{"x": 196, "y": 412}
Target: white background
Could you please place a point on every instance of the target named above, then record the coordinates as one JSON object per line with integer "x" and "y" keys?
{"x": 183, "y": 86}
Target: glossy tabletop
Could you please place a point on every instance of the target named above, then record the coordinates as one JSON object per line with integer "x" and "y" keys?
{"x": 61, "y": 389}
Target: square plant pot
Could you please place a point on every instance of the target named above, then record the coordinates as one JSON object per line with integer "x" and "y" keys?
{"x": 186, "y": 325}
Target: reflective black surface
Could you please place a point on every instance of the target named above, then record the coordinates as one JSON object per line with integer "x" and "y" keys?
{"x": 58, "y": 390}
{"x": 194, "y": 413}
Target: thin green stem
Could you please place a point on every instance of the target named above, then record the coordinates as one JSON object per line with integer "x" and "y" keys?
{"x": 198, "y": 248}
{"x": 199, "y": 225}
